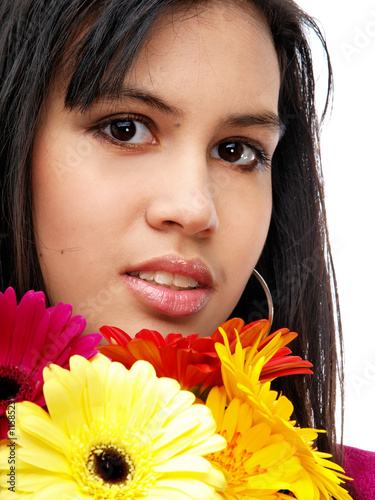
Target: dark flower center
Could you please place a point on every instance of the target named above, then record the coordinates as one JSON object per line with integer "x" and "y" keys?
{"x": 112, "y": 464}
{"x": 9, "y": 388}
{"x": 15, "y": 385}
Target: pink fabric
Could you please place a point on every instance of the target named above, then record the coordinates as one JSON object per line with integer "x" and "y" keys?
{"x": 360, "y": 465}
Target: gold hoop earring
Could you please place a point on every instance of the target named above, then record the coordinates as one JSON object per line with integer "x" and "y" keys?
{"x": 268, "y": 296}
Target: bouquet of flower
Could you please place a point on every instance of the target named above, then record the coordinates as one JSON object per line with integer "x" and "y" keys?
{"x": 150, "y": 417}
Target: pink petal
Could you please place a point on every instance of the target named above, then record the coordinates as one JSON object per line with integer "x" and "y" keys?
{"x": 8, "y": 304}
{"x": 29, "y": 311}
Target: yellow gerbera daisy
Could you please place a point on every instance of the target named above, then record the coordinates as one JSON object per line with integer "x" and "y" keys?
{"x": 304, "y": 471}
{"x": 319, "y": 477}
{"x": 241, "y": 377}
{"x": 258, "y": 463}
{"x": 113, "y": 433}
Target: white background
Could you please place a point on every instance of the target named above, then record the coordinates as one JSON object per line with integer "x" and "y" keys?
{"x": 348, "y": 141}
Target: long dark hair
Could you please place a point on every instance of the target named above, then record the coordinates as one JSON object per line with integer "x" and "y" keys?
{"x": 37, "y": 38}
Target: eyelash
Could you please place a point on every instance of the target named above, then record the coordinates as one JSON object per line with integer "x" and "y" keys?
{"x": 263, "y": 160}
{"x": 98, "y": 131}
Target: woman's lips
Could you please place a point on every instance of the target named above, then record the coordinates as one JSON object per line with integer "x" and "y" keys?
{"x": 188, "y": 293}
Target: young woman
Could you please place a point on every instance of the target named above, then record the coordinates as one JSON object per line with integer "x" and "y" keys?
{"x": 152, "y": 154}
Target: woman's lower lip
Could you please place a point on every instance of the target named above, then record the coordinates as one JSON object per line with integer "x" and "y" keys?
{"x": 165, "y": 301}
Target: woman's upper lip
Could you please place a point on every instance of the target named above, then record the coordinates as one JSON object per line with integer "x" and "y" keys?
{"x": 176, "y": 265}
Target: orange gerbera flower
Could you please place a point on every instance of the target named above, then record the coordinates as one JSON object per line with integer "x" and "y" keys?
{"x": 255, "y": 335}
{"x": 193, "y": 360}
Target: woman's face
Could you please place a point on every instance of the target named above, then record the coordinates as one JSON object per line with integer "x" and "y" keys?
{"x": 151, "y": 210}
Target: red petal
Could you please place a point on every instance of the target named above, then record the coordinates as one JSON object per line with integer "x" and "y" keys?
{"x": 283, "y": 372}
{"x": 118, "y": 353}
{"x": 229, "y": 327}
{"x": 151, "y": 335}
{"x": 171, "y": 338}
{"x": 147, "y": 350}
{"x": 112, "y": 332}
{"x": 204, "y": 345}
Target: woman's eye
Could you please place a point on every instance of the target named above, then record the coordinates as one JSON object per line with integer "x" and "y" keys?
{"x": 131, "y": 131}
{"x": 236, "y": 152}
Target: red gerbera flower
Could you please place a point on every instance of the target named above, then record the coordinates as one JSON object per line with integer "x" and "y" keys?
{"x": 33, "y": 336}
{"x": 193, "y": 360}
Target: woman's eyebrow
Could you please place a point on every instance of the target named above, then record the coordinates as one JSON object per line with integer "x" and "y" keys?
{"x": 146, "y": 98}
{"x": 265, "y": 118}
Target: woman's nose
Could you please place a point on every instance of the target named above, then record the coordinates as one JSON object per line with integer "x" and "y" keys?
{"x": 183, "y": 200}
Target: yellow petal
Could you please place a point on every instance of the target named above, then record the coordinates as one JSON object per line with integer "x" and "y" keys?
{"x": 190, "y": 487}
{"x": 184, "y": 463}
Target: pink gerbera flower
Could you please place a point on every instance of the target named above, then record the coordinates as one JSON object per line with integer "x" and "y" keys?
{"x": 31, "y": 337}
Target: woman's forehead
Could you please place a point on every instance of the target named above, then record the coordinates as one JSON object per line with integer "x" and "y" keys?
{"x": 86, "y": 76}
